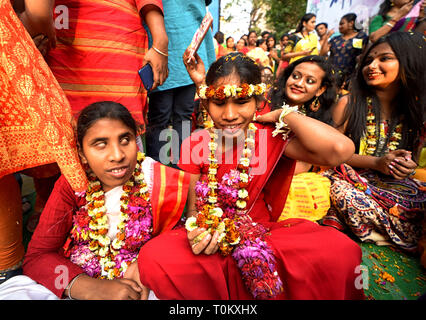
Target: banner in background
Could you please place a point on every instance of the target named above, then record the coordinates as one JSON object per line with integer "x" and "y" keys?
{"x": 330, "y": 11}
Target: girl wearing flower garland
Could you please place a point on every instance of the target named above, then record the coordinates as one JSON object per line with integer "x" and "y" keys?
{"x": 384, "y": 115}
{"x": 91, "y": 241}
{"x": 232, "y": 246}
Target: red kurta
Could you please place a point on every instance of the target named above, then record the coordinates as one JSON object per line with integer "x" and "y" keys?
{"x": 45, "y": 262}
{"x": 314, "y": 262}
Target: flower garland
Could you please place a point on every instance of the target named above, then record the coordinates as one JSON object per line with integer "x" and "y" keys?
{"x": 89, "y": 245}
{"x": 372, "y": 139}
{"x": 225, "y": 91}
{"x": 223, "y": 207}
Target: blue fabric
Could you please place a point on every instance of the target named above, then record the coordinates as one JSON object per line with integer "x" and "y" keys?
{"x": 182, "y": 18}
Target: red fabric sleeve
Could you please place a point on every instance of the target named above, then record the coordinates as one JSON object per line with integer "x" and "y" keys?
{"x": 44, "y": 262}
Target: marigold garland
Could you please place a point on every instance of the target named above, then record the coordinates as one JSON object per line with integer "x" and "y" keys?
{"x": 89, "y": 245}
{"x": 225, "y": 91}
{"x": 372, "y": 139}
{"x": 222, "y": 206}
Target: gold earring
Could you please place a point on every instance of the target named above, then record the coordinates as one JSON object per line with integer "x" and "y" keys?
{"x": 315, "y": 105}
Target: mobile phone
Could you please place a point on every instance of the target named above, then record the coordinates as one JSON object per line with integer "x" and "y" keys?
{"x": 147, "y": 76}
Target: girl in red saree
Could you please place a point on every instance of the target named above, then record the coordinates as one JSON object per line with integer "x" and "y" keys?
{"x": 91, "y": 240}
{"x": 248, "y": 254}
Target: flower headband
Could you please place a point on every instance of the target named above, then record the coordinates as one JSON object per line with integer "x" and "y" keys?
{"x": 225, "y": 91}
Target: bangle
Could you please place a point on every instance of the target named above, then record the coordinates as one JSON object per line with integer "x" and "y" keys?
{"x": 160, "y": 52}
{"x": 281, "y": 126}
{"x": 390, "y": 24}
{"x": 71, "y": 284}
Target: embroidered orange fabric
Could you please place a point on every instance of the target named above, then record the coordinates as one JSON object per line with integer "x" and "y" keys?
{"x": 35, "y": 116}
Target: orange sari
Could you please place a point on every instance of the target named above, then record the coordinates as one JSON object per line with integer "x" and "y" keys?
{"x": 35, "y": 116}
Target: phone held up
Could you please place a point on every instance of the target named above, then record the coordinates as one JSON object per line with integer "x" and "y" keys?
{"x": 147, "y": 76}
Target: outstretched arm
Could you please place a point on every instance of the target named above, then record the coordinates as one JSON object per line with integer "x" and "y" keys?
{"x": 314, "y": 142}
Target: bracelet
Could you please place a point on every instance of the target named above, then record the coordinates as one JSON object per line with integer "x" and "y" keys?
{"x": 160, "y": 52}
{"x": 71, "y": 284}
{"x": 281, "y": 126}
{"x": 390, "y": 24}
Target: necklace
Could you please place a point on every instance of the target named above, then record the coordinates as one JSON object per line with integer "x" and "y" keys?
{"x": 89, "y": 245}
{"x": 222, "y": 207}
{"x": 373, "y": 133}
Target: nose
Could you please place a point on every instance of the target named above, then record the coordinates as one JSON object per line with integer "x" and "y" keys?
{"x": 299, "y": 82}
{"x": 230, "y": 112}
{"x": 116, "y": 153}
{"x": 373, "y": 64}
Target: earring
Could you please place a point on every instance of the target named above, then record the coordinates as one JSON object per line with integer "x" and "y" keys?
{"x": 315, "y": 105}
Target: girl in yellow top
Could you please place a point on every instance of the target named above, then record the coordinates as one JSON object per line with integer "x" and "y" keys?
{"x": 304, "y": 41}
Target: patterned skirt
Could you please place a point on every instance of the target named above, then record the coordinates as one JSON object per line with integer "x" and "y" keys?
{"x": 375, "y": 207}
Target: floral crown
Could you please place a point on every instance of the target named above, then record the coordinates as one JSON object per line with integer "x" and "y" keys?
{"x": 225, "y": 91}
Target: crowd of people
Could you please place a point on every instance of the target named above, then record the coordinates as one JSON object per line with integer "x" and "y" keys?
{"x": 283, "y": 154}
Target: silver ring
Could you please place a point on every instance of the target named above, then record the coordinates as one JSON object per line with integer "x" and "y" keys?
{"x": 412, "y": 173}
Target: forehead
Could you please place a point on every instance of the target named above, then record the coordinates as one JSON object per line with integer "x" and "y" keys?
{"x": 106, "y": 127}
{"x": 309, "y": 69}
{"x": 380, "y": 49}
{"x": 231, "y": 79}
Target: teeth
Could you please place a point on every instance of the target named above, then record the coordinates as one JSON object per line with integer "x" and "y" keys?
{"x": 117, "y": 170}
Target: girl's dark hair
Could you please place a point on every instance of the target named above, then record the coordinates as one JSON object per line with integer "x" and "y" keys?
{"x": 384, "y": 8}
{"x": 267, "y": 41}
{"x": 260, "y": 41}
{"x": 326, "y": 100}
{"x": 99, "y": 110}
{"x": 284, "y": 35}
{"x": 235, "y": 62}
{"x": 245, "y": 41}
{"x": 410, "y": 50}
{"x": 306, "y": 17}
{"x": 351, "y": 17}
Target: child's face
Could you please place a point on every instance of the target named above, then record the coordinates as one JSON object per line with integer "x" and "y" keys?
{"x": 233, "y": 115}
{"x": 304, "y": 83}
{"x": 110, "y": 149}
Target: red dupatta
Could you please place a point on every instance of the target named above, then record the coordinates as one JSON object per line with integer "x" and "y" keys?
{"x": 167, "y": 206}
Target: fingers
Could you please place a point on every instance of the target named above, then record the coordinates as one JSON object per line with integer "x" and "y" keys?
{"x": 272, "y": 116}
{"x": 212, "y": 246}
{"x": 134, "y": 291}
{"x": 401, "y": 169}
{"x": 207, "y": 244}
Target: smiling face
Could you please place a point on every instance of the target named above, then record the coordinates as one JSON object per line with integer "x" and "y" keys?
{"x": 109, "y": 148}
{"x": 232, "y": 115}
{"x": 381, "y": 67}
{"x": 304, "y": 83}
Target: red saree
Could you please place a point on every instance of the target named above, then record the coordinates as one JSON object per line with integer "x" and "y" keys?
{"x": 44, "y": 261}
{"x": 313, "y": 262}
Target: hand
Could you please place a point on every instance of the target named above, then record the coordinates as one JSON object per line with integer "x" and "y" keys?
{"x": 42, "y": 44}
{"x": 208, "y": 244}
{"x": 396, "y": 163}
{"x": 158, "y": 63}
{"x": 330, "y": 33}
{"x": 40, "y": 27}
{"x": 195, "y": 68}
{"x": 132, "y": 273}
{"x": 88, "y": 288}
{"x": 405, "y": 9}
{"x": 272, "y": 116}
